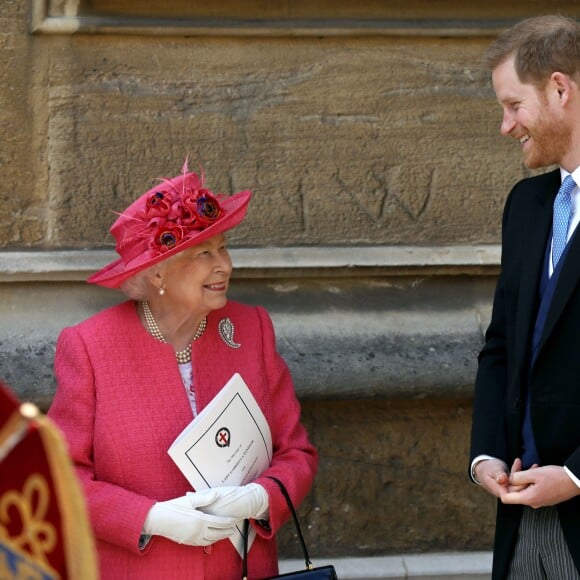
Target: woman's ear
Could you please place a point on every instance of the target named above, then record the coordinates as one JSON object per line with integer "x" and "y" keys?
{"x": 155, "y": 277}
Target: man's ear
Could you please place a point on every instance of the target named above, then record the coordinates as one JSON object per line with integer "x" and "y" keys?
{"x": 562, "y": 84}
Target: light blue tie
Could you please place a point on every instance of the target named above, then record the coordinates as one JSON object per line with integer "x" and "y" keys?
{"x": 562, "y": 213}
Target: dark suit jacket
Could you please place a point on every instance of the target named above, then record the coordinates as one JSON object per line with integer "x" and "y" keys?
{"x": 504, "y": 362}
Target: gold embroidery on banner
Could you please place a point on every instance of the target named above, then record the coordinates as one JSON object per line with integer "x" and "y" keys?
{"x": 32, "y": 505}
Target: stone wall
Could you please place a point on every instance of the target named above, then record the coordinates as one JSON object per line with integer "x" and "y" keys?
{"x": 344, "y": 139}
{"x": 372, "y": 147}
{"x": 383, "y": 364}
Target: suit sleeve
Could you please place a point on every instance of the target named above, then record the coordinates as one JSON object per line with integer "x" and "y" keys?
{"x": 295, "y": 459}
{"x": 116, "y": 514}
{"x": 488, "y": 428}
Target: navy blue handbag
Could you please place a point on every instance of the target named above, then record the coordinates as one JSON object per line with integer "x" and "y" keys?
{"x": 310, "y": 573}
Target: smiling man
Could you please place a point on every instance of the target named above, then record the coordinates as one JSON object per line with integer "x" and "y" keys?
{"x": 525, "y": 442}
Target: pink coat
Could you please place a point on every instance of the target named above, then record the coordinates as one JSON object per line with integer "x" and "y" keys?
{"x": 120, "y": 402}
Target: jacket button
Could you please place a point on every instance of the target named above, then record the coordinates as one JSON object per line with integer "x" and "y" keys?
{"x": 207, "y": 550}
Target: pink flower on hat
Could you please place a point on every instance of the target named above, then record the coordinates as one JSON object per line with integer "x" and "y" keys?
{"x": 158, "y": 205}
{"x": 202, "y": 206}
{"x": 170, "y": 216}
{"x": 167, "y": 236}
{"x": 207, "y": 207}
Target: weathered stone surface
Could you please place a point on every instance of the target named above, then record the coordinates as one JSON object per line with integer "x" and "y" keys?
{"x": 367, "y": 139}
{"x": 370, "y": 139}
{"x": 383, "y": 367}
{"x": 342, "y": 339}
{"x": 392, "y": 478}
{"x": 354, "y": 139}
{"x": 386, "y": 396}
{"x": 23, "y": 206}
{"x": 321, "y": 12}
{"x": 345, "y": 140}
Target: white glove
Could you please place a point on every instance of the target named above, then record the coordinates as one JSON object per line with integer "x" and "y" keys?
{"x": 179, "y": 520}
{"x": 238, "y": 502}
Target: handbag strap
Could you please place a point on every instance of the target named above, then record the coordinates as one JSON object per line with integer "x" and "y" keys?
{"x": 245, "y": 559}
{"x": 296, "y": 523}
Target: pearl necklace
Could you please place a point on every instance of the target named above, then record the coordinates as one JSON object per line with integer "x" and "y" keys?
{"x": 182, "y": 356}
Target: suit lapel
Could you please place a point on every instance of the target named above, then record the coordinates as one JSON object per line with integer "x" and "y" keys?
{"x": 570, "y": 274}
{"x": 539, "y": 220}
{"x": 565, "y": 286}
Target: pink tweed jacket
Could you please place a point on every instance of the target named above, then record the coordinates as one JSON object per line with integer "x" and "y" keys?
{"x": 120, "y": 402}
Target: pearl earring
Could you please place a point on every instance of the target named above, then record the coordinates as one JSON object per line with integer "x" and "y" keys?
{"x": 161, "y": 291}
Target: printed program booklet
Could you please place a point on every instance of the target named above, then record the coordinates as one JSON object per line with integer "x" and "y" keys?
{"x": 228, "y": 443}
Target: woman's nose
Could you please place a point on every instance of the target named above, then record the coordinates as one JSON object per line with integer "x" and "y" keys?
{"x": 223, "y": 263}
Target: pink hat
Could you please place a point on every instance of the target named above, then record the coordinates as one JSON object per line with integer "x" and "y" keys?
{"x": 175, "y": 215}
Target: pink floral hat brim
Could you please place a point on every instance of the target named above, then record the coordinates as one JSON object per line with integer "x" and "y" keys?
{"x": 165, "y": 236}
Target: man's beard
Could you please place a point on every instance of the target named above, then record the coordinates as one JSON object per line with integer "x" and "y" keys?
{"x": 550, "y": 141}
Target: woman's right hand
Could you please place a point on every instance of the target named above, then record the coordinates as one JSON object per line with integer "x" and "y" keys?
{"x": 179, "y": 520}
{"x": 240, "y": 502}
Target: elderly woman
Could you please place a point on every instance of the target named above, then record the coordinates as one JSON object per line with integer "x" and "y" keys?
{"x": 131, "y": 377}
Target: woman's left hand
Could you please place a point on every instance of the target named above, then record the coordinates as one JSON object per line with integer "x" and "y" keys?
{"x": 239, "y": 502}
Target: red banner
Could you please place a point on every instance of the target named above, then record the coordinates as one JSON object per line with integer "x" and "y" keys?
{"x": 44, "y": 528}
